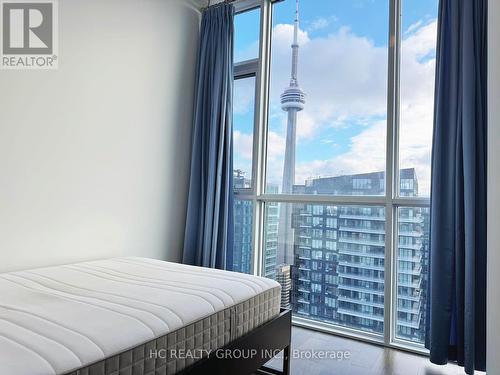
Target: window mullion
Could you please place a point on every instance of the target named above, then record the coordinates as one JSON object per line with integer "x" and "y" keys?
{"x": 260, "y": 139}
{"x": 245, "y": 69}
{"x": 324, "y": 199}
{"x": 392, "y": 179}
{"x": 245, "y": 5}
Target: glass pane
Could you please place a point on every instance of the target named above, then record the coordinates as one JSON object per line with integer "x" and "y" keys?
{"x": 328, "y": 97}
{"x": 241, "y": 258}
{"x": 330, "y": 262}
{"x": 243, "y": 125}
{"x": 418, "y": 57}
{"x": 246, "y": 35}
{"x": 412, "y": 268}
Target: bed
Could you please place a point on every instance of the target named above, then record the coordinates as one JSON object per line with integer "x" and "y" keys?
{"x": 138, "y": 316}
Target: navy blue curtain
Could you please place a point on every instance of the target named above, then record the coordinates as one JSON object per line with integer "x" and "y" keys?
{"x": 456, "y": 308}
{"x": 208, "y": 235}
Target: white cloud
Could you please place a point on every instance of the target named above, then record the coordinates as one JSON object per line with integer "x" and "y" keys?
{"x": 244, "y": 94}
{"x": 366, "y": 154}
{"x": 275, "y": 157}
{"x": 413, "y": 27}
{"x": 243, "y": 143}
{"x": 417, "y": 101}
{"x": 318, "y": 24}
{"x": 243, "y": 152}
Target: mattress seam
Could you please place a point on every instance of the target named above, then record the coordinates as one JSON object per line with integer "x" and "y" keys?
{"x": 93, "y": 297}
{"x": 255, "y": 289}
{"x": 167, "y": 281}
{"x": 78, "y": 301}
{"x": 45, "y": 337}
{"x": 146, "y": 282}
{"x": 31, "y": 350}
{"x": 55, "y": 323}
{"x": 155, "y": 287}
{"x": 121, "y": 296}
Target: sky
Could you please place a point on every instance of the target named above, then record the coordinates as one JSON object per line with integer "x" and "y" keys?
{"x": 343, "y": 71}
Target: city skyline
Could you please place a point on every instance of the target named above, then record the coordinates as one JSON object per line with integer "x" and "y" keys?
{"x": 336, "y": 272}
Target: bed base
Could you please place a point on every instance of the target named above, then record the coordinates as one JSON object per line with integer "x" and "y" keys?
{"x": 253, "y": 351}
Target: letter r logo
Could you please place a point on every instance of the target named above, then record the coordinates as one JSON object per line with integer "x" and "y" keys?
{"x": 27, "y": 28}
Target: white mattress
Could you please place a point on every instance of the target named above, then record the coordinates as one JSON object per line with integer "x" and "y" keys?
{"x": 57, "y": 319}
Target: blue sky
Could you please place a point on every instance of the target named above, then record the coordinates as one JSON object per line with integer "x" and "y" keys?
{"x": 335, "y": 36}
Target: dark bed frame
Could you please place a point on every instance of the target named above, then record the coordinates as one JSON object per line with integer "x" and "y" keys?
{"x": 271, "y": 337}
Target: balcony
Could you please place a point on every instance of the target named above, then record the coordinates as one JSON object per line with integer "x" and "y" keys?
{"x": 362, "y": 241}
{"x": 413, "y": 246}
{"x": 361, "y": 302}
{"x": 361, "y": 230}
{"x": 362, "y": 253}
{"x": 417, "y": 271}
{"x": 361, "y": 265}
{"x": 348, "y": 275}
{"x": 415, "y": 297}
{"x": 414, "y": 323}
{"x": 411, "y": 284}
{"x": 361, "y": 314}
{"x": 303, "y": 256}
{"x": 354, "y": 288}
{"x": 416, "y": 305}
{"x": 362, "y": 217}
{"x": 412, "y": 233}
{"x": 417, "y": 220}
{"x": 413, "y": 310}
{"x": 409, "y": 258}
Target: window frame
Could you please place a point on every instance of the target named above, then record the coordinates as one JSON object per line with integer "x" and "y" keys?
{"x": 392, "y": 200}
{"x": 243, "y": 70}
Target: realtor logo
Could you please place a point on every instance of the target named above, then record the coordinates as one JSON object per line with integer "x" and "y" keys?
{"x": 29, "y": 34}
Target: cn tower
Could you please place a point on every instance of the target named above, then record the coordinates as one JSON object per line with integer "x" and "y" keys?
{"x": 292, "y": 101}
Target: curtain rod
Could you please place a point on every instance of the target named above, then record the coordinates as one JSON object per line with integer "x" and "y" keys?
{"x": 218, "y": 3}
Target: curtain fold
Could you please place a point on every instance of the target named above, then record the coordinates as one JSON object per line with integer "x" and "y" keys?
{"x": 209, "y": 223}
{"x": 456, "y": 309}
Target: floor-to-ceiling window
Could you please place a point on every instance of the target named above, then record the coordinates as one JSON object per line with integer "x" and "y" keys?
{"x": 333, "y": 108}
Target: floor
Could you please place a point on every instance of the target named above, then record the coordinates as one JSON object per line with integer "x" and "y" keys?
{"x": 363, "y": 358}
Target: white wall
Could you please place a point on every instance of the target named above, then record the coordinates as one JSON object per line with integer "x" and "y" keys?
{"x": 94, "y": 156}
{"x": 493, "y": 359}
